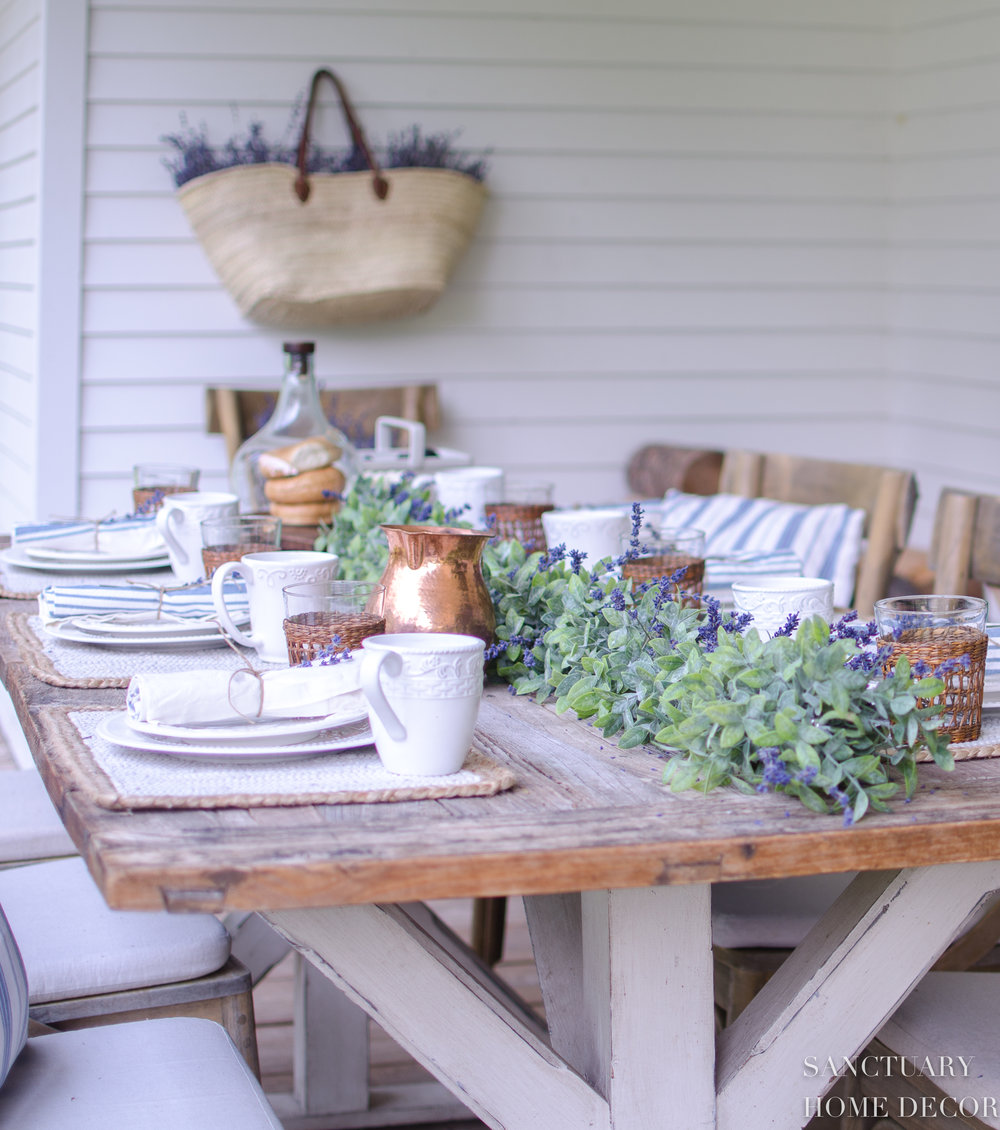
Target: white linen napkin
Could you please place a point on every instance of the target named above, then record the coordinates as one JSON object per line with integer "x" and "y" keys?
{"x": 122, "y": 537}
{"x": 190, "y": 697}
{"x": 56, "y": 602}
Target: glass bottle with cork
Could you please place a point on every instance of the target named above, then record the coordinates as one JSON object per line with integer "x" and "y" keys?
{"x": 298, "y": 465}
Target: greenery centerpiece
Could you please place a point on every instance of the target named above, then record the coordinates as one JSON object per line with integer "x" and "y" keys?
{"x": 808, "y": 712}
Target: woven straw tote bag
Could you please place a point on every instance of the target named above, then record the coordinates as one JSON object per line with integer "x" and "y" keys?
{"x": 297, "y": 251}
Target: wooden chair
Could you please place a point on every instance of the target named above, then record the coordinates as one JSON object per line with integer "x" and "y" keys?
{"x": 163, "y": 1074}
{"x": 887, "y": 496}
{"x": 238, "y": 413}
{"x": 965, "y": 545}
{"x": 657, "y": 467}
{"x": 92, "y": 966}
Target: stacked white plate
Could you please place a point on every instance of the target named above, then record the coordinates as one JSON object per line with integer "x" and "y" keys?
{"x": 139, "y": 630}
{"x": 52, "y": 559}
{"x": 242, "y": 741}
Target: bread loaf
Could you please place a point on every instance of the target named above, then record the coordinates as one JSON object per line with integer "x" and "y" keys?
{"x": 304, "y": 513}
{"x": 308, "y": 486}
{"x": 306, "y": 455}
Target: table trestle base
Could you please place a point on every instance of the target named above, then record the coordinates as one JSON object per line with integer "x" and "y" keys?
{"x": 762, "y": 1077}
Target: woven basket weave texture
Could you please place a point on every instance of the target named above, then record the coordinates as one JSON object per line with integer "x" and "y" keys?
{"x": 342, "y": 257}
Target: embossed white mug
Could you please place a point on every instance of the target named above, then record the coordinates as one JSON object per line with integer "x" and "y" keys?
{"x": 771, "y": 600}
{"x": 423, "y": 691}
{"x": 266, "y": 574}
{"x": 179, "y": 521}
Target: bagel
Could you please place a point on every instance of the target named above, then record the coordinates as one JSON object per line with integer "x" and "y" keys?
{"x": 304, "y": 513}
{"x": 306, "y": 455}
{"x": 309, "y": 486}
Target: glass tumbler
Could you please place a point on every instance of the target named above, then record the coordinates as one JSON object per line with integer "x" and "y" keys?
{"x": 946, "y": 635}
{"x": 152, "y": 482}
{"x": 331, "y": 616}
{"x": 664, "y": 553}
{"x": 230, "y": 538}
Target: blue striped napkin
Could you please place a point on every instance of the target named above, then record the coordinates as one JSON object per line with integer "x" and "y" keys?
{"x": 56, "y": 602}
{"x": 749, "y": 566}
{"x": 123, "y": 536}
{"x": 993, "y": 651}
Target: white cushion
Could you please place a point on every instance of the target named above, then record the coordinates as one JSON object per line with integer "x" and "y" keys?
{"x": 30, "y": 827}
{"x": 13, "y": 1000}
{"x": 173, "y": 1074}
{"x": 75, "y": 946}
{"x": 771, "y": 913}
{"x": 826, "y": 539}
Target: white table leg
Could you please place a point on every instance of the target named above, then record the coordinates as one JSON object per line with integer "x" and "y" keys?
{"x": 647, "y": 974}
{"x": 445, "y": 1015}
{"x": 837, "y": 989}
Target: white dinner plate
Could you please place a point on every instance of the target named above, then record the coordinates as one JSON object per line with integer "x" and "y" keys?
{"x": 17, "y": 555}
{"x": 115, "y": 728}
{"x": 43, "y": 552}
{"x": 147, "y": 626}
{"x": 67, "y": 631}
{"x": 280, "y": 730}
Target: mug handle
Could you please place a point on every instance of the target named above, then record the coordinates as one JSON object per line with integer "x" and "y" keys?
{"x": 164, "y": 521}
{"x": 372, "y": 663}
{"x": 219, "y": 600}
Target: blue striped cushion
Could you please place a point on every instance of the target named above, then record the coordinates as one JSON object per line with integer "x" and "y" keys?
{"x": 13, "y": 1000}
{"x": 826, "y": 539}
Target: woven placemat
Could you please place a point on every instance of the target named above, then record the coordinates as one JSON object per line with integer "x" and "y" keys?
{"x": 119, "y": 778}
{"x": 986, "y": 745}
{"x": 98, "y": 666}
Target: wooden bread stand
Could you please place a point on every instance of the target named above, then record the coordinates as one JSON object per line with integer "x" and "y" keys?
{"x": 617, "y": 876}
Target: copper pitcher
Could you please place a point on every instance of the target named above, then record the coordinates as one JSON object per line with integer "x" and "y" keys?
{"x": 434, "y": 581}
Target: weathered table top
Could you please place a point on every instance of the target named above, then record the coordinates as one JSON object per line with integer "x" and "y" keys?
{"x": 585, "y": 815}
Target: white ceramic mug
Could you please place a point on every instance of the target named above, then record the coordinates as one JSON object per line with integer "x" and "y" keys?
{"x": 179, "y": 521}
{"x": 597, "y": 532}
{"x": 266, "y": 574}
{"x": 470, "y": 487}
{"x": 423, "y": 691}
{"x": 771, "y": 600}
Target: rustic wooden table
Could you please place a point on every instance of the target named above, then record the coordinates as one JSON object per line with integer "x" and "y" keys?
{"x": 617, "y": 875}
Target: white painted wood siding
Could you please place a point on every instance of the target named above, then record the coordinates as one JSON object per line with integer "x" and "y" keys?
{"x": 945, "y": 257}
{"x": 20, "y": 92}
{"x": 685, "y": 238}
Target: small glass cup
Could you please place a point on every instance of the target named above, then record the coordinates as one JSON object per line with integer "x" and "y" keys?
{"x": 152, "y": 482}
{"x": 335, "y": 615}
{"x": 662, "y": 552}
{"x": 933, "y": 630}
{"x": 230, "y": 538}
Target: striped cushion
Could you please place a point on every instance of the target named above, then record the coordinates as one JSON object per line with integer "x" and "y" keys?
{"x": 826, "y": 539}
{"x": 13, "y": 1000}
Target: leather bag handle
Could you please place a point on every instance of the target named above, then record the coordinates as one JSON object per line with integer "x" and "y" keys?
{"x": 380, "y": 186}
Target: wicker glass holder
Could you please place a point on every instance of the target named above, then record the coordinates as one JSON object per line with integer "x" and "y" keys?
{"x": 309, "y": 633}
{"x": 962, "y": 713}
{"x": 655, "y": 566}
{"x": 515, "y": 521}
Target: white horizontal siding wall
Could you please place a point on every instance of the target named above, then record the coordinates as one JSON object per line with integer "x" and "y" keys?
{"x": 946, "y": 246}
{"x": 685, "y": 238}
{"x": 20, "y": 94}
{"x": 42, "y": 62}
